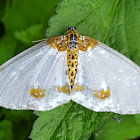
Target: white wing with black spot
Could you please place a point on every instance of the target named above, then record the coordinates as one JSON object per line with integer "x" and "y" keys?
{"x": 104, "y": 69}
{"x": 40, "y": 67}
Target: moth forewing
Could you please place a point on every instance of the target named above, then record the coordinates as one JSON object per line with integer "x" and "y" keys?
{"x": 71, "y": 67}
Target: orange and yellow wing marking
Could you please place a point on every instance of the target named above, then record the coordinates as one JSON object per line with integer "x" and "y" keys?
{"x": 59, "y": 42}
{"x": 37, "y": 93}
{"x": 77, "y": 87}
{"x": 101, "y": 94}
{"x": 64, "y": 89}
{"x": 84, "y": 42}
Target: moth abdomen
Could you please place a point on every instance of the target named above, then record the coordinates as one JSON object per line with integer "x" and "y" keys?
{"x": 72, "y": 63}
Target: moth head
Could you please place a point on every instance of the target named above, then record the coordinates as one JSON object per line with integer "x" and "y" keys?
{"x": 72, "y": 28}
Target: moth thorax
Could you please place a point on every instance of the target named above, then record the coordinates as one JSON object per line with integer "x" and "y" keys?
{"x": 73, "y": 45}
{"x": 73, "y": 37}
{"x": 73, "y": 41}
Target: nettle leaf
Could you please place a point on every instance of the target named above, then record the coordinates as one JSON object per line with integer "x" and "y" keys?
{"x": 70, "y": 121}
{"x": 111, "y": 22}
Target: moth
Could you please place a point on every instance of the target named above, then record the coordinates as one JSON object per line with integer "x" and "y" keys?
{"x": 71, "y": 67}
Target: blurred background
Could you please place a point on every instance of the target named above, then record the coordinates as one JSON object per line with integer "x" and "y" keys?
{"x": 21, "y": 22}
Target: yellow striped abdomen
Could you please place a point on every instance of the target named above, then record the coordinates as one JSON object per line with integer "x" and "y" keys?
{"x": 72, "y": 63}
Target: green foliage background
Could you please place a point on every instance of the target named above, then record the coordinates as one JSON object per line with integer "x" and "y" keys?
{"x": 114, "y": 22}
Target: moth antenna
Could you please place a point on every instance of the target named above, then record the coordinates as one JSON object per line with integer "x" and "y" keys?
{"x": 78, "y": 32}
{"x": 66, "y": 32}
{"x": 39, "y": 40}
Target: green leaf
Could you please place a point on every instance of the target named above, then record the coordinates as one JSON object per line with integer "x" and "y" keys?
{"x": 126, "y": 129}
{"x": 7, "y": 47}
{"x": 30, "y": 34}
{"x": 117, "y": 117}
{"x": 70, "y": 121}
{"x": 21, "y": 122}
{"x": 137, "y": 118}
{"x": 2, "y": 8}
{"x": 6, "y": 130}
{"x": 25, "y": 13}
